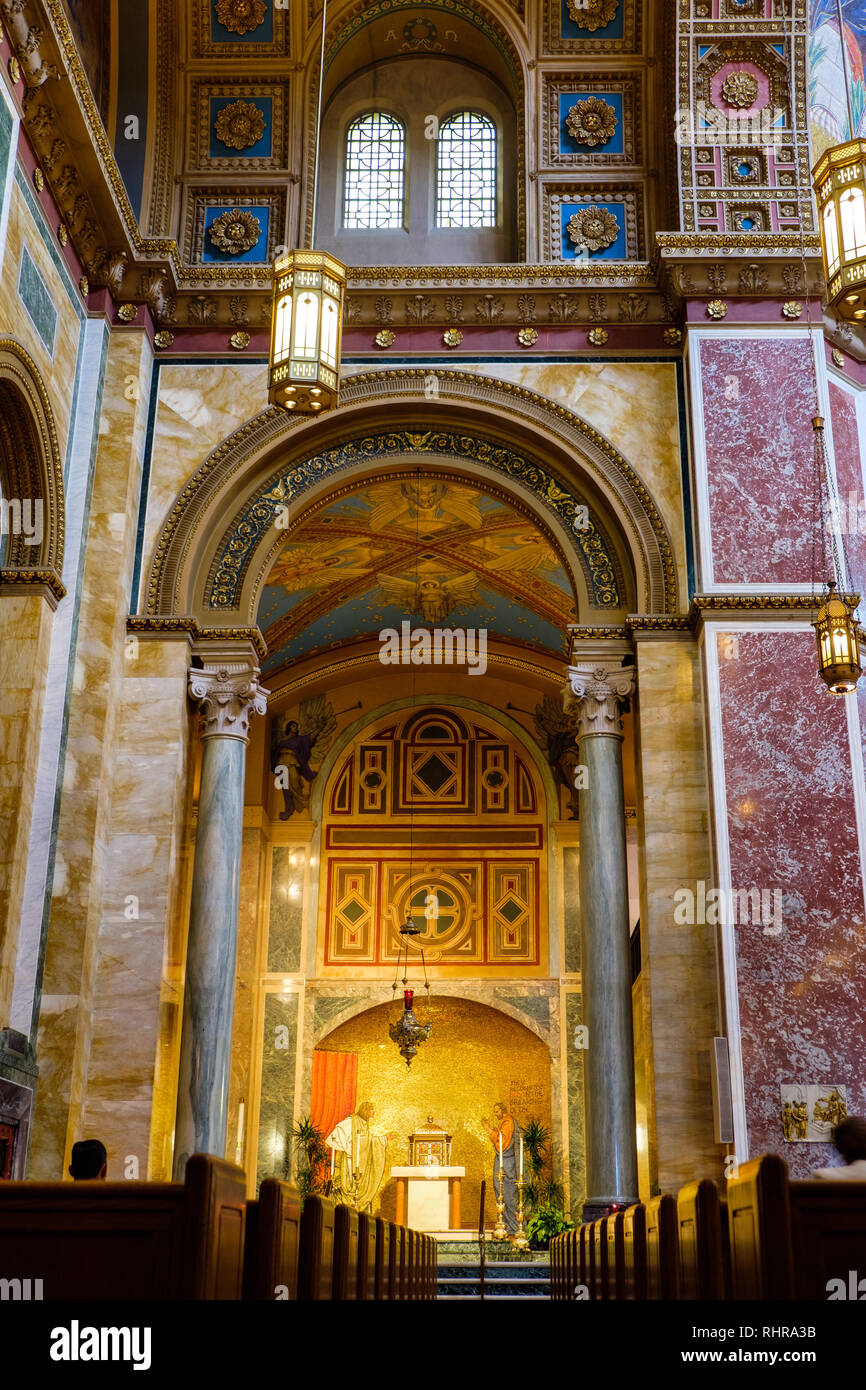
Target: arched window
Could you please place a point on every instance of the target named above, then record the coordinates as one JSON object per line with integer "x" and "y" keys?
{"x": 466, "y": 179}
{"x": 375, "y": 164}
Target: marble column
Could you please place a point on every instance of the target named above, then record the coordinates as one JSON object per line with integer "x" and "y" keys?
{"x": 229, "y": 693}
{"x": 594, "y": 696}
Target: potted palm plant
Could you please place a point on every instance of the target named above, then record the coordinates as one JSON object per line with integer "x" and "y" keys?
{"x": 543, "y": 1195}
{"x": 311, "y": 1164}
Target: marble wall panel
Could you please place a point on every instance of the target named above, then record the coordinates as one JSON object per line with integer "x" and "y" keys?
{"x": 678, "y": 979}
{"x": 277, "y": 1106}
{"x": 286, "y": 908}
{"x": 67, "y": 1018}
{"x": 140, "y": 898}
{"x": 574, "y": 1104}
{"x": 25, "y": 641}
{"x": 27, "y": 235}
{"x": 791, "y": 826}
{"x": 849, "y": 483}
{"x": 757, "y": 399}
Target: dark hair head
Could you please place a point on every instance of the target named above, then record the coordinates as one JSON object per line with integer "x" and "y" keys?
{"x": 850, "y": 1138}
{"x": 88, "y": 1159}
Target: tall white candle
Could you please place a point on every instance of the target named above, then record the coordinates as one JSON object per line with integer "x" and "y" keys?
{"x": 332, "y": 1165}
{"x": 500, "y": 1148}
{"x": 521, "y": 1155}
{"x": 357, "y": 1150}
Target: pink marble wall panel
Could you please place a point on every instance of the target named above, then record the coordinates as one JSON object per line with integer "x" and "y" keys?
{"x": 849, "y": 482}
{"x": 758, "y": 401}
{"x": 790, "y": 809}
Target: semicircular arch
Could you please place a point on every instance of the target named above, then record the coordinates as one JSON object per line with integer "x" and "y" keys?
{"x": 30, "y": 465}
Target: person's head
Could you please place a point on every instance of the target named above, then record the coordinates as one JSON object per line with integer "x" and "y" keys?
{"x": 291, "y": 728}
{"x": 366, "y": 1109}
{"x": 89, "y": 1161}
{"x": 499, "y": 1111}
{"x": 850, "y": 1138}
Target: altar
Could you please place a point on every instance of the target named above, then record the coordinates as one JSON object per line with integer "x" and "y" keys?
{"x": 428, "y": 1196}
{"x": 428, "y": 1186}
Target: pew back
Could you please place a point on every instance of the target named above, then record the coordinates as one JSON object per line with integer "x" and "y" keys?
{"x": 316, "y": 1261}
{"x": 273, "y": 1236}
{"x": 381, "y": 1283}
{"x": 703, "y": 1238}
{"x": 662, "y": 1252}
{"x": 128, "y": 1240}
{"x": 615, "y": 1255}
{"x": 366, "y": 1256}
{"x": 345, "y": 1254}
{"x": 634, "y": 1252}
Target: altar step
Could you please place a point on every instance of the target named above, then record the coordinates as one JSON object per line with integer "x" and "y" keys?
{"x": 504, "y": 1280}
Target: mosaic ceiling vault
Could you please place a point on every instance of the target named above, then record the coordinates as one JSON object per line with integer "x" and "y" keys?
{"x": 429, "y": 551}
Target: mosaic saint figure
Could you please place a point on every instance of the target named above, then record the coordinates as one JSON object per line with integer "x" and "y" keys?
{"x": 291, "y": 753}
{"x": 356, "y": 1149}
{"x": 507, "y": 1129}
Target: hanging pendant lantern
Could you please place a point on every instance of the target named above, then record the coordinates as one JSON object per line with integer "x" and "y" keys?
{"x": 306, "y": 332}
{"x": 840, "y": 188}
{"x": 407, "y": 1033}
{"x": 838, "y": 636}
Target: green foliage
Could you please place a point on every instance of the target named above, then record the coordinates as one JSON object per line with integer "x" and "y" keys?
{"x": 546, "y": 1222}
{"x": 312, "y": 1155}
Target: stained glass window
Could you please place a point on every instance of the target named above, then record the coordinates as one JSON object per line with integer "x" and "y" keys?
{"x": 466, "y": 182}
{"x": 375, "y": 162}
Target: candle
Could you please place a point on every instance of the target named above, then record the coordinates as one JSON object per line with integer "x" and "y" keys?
{"x": 500, "y": 1148}
{"x": 357, "y": 1151}
{"x": 521, "y": 1156}
{"x": 332, "y": 1165}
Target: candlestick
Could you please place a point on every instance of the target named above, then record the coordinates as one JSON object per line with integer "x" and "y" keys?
{"x": 519, "y": 1240}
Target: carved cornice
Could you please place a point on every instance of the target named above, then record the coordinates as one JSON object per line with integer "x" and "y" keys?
{"x": 155, "y": 625}
{"x": 228, "y": 693}
{"x": 35, "y": 579}
{"x": 595, "y": 697}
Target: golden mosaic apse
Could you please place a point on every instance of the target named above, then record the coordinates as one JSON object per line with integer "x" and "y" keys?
{"x": 474, "y": 1057}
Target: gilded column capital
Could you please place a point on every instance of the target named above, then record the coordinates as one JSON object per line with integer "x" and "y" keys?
{"x": 228, "y": 692}
{"x": 595, "y": 695}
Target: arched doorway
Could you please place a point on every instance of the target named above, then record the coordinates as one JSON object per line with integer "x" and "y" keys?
{"x": 477, "y": 1055}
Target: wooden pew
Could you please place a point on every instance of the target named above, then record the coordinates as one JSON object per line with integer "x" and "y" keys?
{"x": 584, "y": 1256}
{"x": 554, "y": 1251}
{"x": 402, "y": 1291}
{"x": 381, "y": 1282}
{"x": 616, "y": 1255}
{"x": 662, "y": 1253}
{"x": 789, "y": 1239}
{"x": 137, "y": 1241}
{"x": 316, "y": 1258}
{"x": 598, "y": 1289}
{"x": 702, "y": 1222}
{"x": 394, "y": 1258}
{"x": 634, "y": 1252}
{"x": 345, "y": 1254}
{"x": 273, "y": 1236}
{"x": 367, "y": 1242}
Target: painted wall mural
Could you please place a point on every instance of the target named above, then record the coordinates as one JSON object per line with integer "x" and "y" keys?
{"x": 828, "y": 114}
{"x": 427, "y": 550}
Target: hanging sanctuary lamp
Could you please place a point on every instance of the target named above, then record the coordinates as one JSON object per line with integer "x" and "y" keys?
{"x": 836, "y": 627}
{"x": 840, "y": 188}
{"x": 407, "y": 1032}
{"x": 307, "y": 318}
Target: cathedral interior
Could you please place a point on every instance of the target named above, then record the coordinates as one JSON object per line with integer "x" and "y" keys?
{"x": 511, "y": 639}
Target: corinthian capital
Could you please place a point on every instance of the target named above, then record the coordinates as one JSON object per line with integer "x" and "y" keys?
{"x": 595, "y": 695}
{"x": 228, "y": 692}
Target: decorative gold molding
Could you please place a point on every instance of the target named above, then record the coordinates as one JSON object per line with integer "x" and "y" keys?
{"x": 164, "y": 624}
{"x": 33, "y": 578}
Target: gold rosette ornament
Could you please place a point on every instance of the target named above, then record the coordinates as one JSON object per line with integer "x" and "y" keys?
{"x": 592, "y": 122}
{"x": 592, "y": 14}
{"x": 235, "y": 232}
{"x": 241, "y": 16}
{"x": 740, "y": 89}
{"x": 240, "y": 125}
{"x": 593, "y": 229}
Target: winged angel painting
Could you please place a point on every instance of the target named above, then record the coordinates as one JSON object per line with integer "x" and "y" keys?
{"x": 293, "y": 747}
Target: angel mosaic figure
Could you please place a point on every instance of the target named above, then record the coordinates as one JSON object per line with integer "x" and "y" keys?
{"x": 433, "y": 598}
{"x": 554, "y": 730}
{"x": 291, "y": 753}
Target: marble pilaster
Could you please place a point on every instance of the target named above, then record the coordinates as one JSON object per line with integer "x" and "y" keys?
{"x": 595, "y": 695}
{"x": 228, "y": 691}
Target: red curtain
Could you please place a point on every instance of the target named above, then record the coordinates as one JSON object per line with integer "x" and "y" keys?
{"x": 335, "y": 1089}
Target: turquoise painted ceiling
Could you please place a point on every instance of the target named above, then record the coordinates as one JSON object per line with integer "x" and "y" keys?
{"x": 433, "y": 552}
